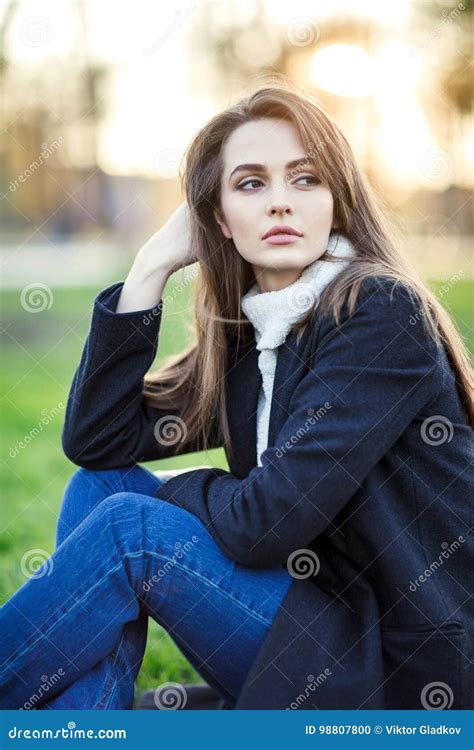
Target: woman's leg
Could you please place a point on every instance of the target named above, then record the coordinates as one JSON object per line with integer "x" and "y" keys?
{"x": 135, "y": 554}
{"x": 110, "y": 683}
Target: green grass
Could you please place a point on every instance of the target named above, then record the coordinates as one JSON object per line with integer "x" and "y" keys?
{"x": 40, "y": 354}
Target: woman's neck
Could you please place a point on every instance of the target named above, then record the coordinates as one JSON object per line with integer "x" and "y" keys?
{"x": 269, "y": 280}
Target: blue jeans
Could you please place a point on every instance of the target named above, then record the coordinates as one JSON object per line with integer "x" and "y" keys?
{"x": 74, "y": 635}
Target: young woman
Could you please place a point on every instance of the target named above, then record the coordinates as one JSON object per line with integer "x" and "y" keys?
{"x": 329, "y": 567}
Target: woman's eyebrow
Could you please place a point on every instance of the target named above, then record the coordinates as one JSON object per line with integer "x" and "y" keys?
{"x": 262, "y": 168}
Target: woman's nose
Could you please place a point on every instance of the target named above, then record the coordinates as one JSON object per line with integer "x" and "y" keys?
{"x": 280, "y": 209}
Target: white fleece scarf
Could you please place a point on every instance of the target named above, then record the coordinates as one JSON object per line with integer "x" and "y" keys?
{"x": 274, "y": 313}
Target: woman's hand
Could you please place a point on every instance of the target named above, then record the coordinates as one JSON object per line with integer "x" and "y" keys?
{"x": 170, "y": 248}
{"x": 165, "y": 475}
{"x": 165, "y": 252}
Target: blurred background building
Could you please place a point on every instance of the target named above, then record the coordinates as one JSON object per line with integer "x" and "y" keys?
{"x": 99, "y": 101}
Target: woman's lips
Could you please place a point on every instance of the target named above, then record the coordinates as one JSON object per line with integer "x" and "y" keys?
{"x": 282, "y": 239}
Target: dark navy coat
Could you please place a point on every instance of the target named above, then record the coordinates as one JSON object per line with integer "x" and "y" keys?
{"x": 367, "y": 474}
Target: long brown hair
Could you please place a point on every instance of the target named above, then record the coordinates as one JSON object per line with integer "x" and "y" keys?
{"x": 192, "y": 382}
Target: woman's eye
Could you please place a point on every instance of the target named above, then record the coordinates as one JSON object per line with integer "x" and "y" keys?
{"x": 314, "y": 180}
{"x": 255, "y": 182}
{"x": 244, "y": 184}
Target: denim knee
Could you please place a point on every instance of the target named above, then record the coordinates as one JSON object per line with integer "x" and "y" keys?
{"x": 145, "y": 523}
{"x": 138, "y": 528}
{"x": 83, "y": 492}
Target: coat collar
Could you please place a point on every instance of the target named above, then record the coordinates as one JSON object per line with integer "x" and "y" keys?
{"x": 272, "y": 314}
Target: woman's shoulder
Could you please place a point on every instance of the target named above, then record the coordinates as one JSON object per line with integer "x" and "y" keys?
{"x": 382, "y": 296}
{"x": 387, "y": 289}
{"x": 387, "y": 311}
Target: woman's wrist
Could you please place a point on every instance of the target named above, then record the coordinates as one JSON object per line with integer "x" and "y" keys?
{"x": 143, "y": 287}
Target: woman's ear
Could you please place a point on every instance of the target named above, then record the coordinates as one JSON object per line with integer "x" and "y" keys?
{"x": 220, "y": 220}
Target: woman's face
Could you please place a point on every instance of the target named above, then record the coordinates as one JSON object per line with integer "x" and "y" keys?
{"x": 267, "y": 183}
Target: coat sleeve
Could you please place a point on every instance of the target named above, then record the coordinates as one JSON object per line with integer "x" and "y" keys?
{"x": 368, "y": 379}
{"x": 107, "y": 424}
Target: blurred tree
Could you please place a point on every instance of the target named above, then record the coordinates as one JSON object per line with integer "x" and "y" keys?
{"x": 451, "y": 100}
{"x": 38, "y": 108}
{"x": 235, "y": 47}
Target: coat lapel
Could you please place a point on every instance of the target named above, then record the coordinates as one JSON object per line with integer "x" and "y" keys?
{"x": 243, "y": 383}
{"x": 292, "y": 363}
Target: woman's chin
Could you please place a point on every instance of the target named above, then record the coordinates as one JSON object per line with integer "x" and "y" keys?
{"x": 283, "y": 257}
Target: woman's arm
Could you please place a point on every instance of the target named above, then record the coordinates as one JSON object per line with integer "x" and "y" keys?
{"x": 107, "y": 424}
{"x": 375, "y": 372}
